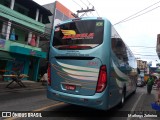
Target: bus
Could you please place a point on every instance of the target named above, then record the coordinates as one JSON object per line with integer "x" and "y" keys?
{"x": 89, "y": 64}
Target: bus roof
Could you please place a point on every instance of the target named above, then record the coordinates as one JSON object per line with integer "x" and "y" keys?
{"x": 83, "y": 18}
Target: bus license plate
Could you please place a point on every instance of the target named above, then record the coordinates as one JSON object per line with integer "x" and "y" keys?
{"x": 70, "y": 87}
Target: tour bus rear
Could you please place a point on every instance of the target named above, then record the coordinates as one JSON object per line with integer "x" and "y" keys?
{"x": 76, "y": 72}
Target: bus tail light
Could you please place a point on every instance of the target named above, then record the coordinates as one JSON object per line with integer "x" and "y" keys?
{"x": 74, "y": 47}
{"x": 49, "y": 74}
{"x": 102, "y": 79}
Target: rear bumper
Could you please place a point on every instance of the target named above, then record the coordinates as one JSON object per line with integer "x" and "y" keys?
{"x": 97, "y": 101}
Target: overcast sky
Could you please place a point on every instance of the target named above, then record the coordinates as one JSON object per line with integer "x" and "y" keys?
{"x": 140, "y": 33}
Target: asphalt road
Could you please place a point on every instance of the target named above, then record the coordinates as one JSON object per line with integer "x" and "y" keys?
{"x": 35, "y": 100}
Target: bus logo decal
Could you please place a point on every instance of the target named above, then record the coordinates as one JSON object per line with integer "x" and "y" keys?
{"x": 71, "y": 34}
{"x": 79, "y": 36}
{"x": 92, "y": 63}
{"x": 68, "y": 32}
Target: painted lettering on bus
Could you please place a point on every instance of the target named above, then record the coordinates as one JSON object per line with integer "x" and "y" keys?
{"x": 92, "y": 63}
{"x": 79, "y": 36}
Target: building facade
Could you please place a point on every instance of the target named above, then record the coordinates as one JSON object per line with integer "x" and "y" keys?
{"x": 59, "y": 14}
{"x": 22, "y": 25}
{"x": 142, "y": 65}
{"x": 158, "y": 45}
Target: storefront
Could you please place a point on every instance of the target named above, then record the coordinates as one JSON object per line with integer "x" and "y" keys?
{"x": 26, "y": 61}
{"x": 21, "y": 59}
{"x": 5, "y": 58}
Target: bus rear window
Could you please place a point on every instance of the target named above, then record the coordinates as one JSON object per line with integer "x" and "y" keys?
{"x": 78, "y": 35}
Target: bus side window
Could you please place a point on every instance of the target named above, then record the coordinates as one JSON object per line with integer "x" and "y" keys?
{"x": 120, "y": 51}
{"x": 119, "y": 44}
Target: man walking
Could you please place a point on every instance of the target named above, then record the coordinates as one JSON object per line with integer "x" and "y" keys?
{"x": 150, "y": 83}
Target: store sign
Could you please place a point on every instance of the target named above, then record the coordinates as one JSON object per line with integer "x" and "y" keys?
{"x": 26, "y": 51}
{"x": 2, "y": 43}
{"x": 34, "y": 53}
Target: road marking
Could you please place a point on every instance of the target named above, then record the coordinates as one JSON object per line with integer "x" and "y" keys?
{"x": 44, "y": 108}
{"x": 38, "y": 110}
{"x": 134, "y": 106}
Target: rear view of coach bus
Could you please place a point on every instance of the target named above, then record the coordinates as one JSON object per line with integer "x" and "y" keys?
{"x": 76, "y": 73}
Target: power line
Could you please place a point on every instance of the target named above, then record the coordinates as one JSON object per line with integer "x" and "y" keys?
{"x": 142, "y": 46}
{"x": 83, "y": 14}
{"x": 91, "y": 13}
{"x": 94, "y": 8}
{"x": 77, "y": 4}
{"x": 145, "y": 55}
{"x": 141, "y": 14}
{"x": 97, "y": 13}
{"x": 143, "y": 52}
{"x": 89, "y": 5}
{"x": 145, "y": 48}
{"x": 136, "y": 13}
{"x": 84, "y": 3}
{"x": 89, "y": 2}
{"x": 82, "y": 10}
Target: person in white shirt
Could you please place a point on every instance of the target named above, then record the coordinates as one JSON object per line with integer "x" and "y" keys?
{"x": 44, "y": 79}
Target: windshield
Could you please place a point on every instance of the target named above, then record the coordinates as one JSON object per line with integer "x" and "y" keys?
{"x": 79, "y": 35}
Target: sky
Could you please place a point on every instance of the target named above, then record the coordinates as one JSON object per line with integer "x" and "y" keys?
{"x": 139, "y": 33}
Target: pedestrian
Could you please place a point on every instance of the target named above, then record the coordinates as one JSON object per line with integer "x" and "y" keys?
{"x": 158, "y": 84}
{"x": 158, "y": 90}
{"x": 44, "y": 79}
{"x": 43, "y": 74}
{"x": 150, "y": 82}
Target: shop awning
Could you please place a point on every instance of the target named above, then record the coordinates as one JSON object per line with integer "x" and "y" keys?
{"x": 29, "y": 52}
{"x": 6, "y": 56}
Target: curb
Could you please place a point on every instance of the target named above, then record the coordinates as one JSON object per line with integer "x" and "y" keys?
{"x": 30, "y": 85}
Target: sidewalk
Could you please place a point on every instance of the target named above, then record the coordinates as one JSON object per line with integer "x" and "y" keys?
{"x": 144, "y": 104}
{"x": 30, "y": 85}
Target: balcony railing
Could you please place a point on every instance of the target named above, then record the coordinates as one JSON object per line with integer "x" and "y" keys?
{"x": 6, "y": 44}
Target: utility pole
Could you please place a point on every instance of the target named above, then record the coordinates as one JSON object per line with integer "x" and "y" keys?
{"x": 83, "y": 11}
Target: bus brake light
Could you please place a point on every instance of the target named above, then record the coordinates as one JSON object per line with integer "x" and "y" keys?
{"x": 102, "y": 79}
{"x": 74, "y": 47}
{"x": 49, "y": 74}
